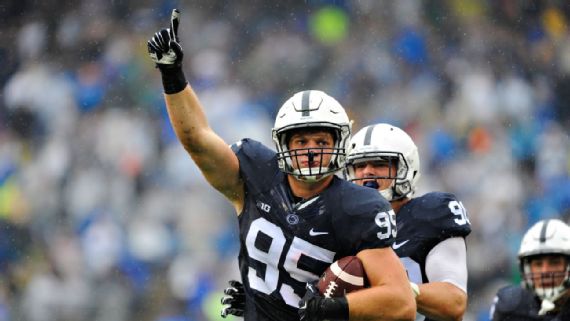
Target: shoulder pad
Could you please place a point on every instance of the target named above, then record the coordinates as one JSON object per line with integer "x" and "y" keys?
{"x": 363, "y": 219}
{"x": 564, "y": 313}
{"x": 252, "y": 149}
{"x": 357, "y": 200}
{"x": 442, "y": 213}
{"x": 435, "y": 200}
{"x": 257, "y": 164}
{"x": 512, "y": 298}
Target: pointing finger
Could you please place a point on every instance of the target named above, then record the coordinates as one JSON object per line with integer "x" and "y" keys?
{"x": 174, "y": 22}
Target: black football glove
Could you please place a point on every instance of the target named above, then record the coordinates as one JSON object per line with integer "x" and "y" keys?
{"x": 234, "y": 300}
{"x": 315, "y": 307}
{"x": 165, "y": 50}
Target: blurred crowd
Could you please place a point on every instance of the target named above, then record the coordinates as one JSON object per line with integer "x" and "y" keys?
{"x": 103, "y": 216}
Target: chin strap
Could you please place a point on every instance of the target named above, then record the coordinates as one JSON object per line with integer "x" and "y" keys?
{"x": 546, "y": 306}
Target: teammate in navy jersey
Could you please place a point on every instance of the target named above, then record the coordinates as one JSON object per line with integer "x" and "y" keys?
{"x": 295, "y": 216}
{"x": 431, "y": 228}
{"x": 544, "y": 260}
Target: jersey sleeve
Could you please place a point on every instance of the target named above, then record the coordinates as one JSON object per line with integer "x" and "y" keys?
{"x": 512, "y": 301}
{"x": 366, "y": 220}
{"x": 502, "y": 304}
{"x": 447, "y": 262}
{"x": 444, "y": 215}
{"x": 495, "y": 315}
{"x": 257, "y": 163}
{"x": 564, "y": 313}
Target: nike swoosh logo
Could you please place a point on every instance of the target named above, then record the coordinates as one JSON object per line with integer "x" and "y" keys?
{"x": 396, "y": 246}
{"x": 314, "y": 233}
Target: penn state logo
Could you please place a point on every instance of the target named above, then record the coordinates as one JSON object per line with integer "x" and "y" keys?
{"x": 292, "y": 219}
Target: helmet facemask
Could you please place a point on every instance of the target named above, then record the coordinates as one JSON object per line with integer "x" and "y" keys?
{"x": 289, "y": 158}
{"x": 399, "y": 187}
{"x": 548, "y": 240}
{"x": 546, "y": 285}
{"x": 311, "y": 110}
{"x": 385, "y": 142}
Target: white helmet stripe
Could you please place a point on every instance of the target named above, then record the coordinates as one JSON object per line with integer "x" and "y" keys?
{"x": 542, "y": 237}
{"x": 368, "y": 135}
{"x": 305, "y": 102}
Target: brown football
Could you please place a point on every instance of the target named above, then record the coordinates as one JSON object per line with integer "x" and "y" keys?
{"x": 343, "y": 276}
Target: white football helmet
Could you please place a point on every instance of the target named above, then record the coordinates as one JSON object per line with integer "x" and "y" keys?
{"x": 311, "y": 109}
{"x": 547, "y": 237}
{"x": 386, "y": 143}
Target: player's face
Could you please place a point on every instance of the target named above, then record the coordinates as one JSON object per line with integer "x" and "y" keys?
{"x": 376, "y": 168}
{"x": 548, "y": 270}
{"x": 311, "y": 149}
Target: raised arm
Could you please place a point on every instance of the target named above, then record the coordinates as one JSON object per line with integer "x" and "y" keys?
{"x": 214, "y": 157}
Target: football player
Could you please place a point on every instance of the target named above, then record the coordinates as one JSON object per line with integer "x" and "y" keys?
{"x": 295, "y": 216}
{"x": 544, "y": 260}
{"x": 431, "y": 228}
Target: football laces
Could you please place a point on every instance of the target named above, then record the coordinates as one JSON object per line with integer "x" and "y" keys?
{"x": 330, "y": 289}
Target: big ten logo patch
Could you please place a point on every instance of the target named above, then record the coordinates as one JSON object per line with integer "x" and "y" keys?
{"x": 264, "y": 207}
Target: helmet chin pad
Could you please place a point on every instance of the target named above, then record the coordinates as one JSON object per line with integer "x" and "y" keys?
{"x": 313, "y": 174}
{"x": 388, "y": 194}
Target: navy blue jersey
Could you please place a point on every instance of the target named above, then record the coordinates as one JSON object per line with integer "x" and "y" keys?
{"x": 284, "y": 244}
{"x": 514, "y": 303}
{"x": 423, "y": 223}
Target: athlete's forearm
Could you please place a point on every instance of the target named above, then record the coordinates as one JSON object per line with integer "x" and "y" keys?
{"x": 390, "y": 296}
{"x": 442, "y": 301}
{"x": 389, "y": 303}
{"x": 214, "y": 157}
{"x": 187, "y": 118}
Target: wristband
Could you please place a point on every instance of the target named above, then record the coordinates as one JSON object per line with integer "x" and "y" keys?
{"x": 415, "y": 289}
{"x": 334, "y": 309}
{"x": 173, "y": 80}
